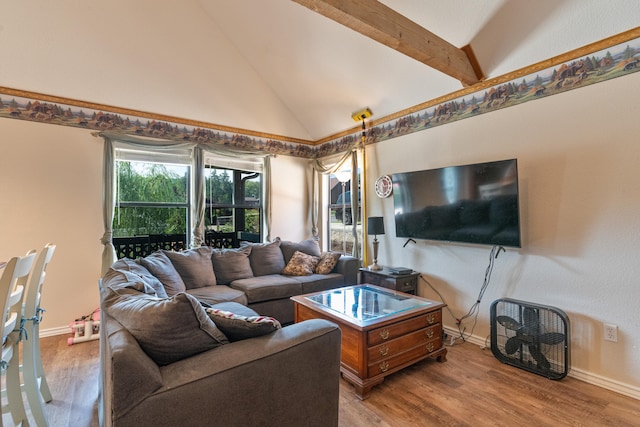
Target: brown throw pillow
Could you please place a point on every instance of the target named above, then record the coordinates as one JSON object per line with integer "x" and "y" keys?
{"x": 328, "y": 260}
{"x": 301, "y": 264}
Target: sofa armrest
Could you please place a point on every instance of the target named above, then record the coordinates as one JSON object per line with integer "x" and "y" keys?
{"x": 289, "y": 377}
{"x": 348, "y": 266}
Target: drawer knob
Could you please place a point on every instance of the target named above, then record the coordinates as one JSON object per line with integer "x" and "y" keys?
{"x": 384, "y": 334}
{"x": 384, "y": 350}
{"x": 431, "y": 319}
{"x": 384, "y": 366}
{"x": 430, "y": 333}
{"x": 430, "y": 347}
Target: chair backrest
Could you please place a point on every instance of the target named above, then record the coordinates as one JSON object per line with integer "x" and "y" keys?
{"x": 38, "y": 273}
{"x": 12, "y": 285}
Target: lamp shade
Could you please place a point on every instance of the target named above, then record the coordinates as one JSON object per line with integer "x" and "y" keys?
{"x": 375, "y": 225}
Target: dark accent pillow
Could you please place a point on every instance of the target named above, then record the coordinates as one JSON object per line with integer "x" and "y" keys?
{"x": 328, "y": 260}
{"x": 238, "y": 326}
{"x": 301, "y": 264}
{"x": 309, "y": 247}
{"x": 265, "y": 258}
{"x": 231, "y": 264}
{"x": 160, "y": 266}
{"x": 167, "y": 329}
{"x": 194, "y": 266}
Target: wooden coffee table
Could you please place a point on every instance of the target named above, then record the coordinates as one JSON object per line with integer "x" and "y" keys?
{"x": 383, "y": 331}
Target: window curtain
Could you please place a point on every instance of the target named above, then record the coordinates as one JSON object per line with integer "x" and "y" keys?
{"x": 108, "y": 203}
{"x": 328, "y": 166}
{"x": 198, "y": 198}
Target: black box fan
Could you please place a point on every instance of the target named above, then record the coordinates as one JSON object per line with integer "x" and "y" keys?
{"x": 530, "y": 336}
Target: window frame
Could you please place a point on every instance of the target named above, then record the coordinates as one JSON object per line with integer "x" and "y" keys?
{"x": 238, "y": 177}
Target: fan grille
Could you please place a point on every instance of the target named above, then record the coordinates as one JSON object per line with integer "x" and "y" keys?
{"x": 530, "y": 336}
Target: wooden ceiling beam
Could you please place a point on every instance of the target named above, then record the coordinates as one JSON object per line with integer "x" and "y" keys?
{"x": 383, "y": 24}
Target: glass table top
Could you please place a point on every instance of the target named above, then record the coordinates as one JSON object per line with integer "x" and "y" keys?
{"x": 363, "y": 303}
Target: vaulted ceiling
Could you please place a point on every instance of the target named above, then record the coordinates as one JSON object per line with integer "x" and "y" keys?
{"x": 284, "y": 67}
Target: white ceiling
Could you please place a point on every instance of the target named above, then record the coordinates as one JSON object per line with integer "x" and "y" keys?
{"x": 273, "y": 65}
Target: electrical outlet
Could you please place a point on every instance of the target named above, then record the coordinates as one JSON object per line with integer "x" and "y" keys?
{"x": 610, "y": 332}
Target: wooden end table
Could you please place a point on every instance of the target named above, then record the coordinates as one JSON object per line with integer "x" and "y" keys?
{"x": 383, "y": 331}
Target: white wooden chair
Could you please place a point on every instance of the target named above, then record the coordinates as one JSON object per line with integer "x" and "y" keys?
{"x": 12, "y": 284}
{"x": 35, "y": 383}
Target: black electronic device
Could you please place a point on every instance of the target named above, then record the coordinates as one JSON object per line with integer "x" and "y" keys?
{"x": 531, "y": 336}
{"x": 475, "y": 203}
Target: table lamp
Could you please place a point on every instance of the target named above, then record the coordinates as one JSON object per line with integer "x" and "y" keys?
{"x": 375, "y": 226}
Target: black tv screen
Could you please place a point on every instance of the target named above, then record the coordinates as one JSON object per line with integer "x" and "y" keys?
{"x": 475, "y": 203}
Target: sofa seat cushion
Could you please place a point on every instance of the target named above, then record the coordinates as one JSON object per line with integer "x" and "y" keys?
{"x": 320, "y": 282}
{"x": 270, "y": 287}
{"x": 167, "y": 329}
{"x": 218, "y": 294}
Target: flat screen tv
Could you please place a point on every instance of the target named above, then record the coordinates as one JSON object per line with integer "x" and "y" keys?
{"x": 476, "y": 203}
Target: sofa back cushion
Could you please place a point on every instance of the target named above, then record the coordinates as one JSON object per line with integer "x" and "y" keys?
{"x": 131, "y": 270}
{"x": 309, "y": 247}
{"x": 265, "y": 258}
{"x": 160, "y": 266}
{"x": 167, "y": 329}
{"x": 231, "y": 264}
{"x": 194, "y": 266}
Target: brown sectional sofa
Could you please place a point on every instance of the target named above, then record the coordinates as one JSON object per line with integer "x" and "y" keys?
{"x": 165, "y": 358}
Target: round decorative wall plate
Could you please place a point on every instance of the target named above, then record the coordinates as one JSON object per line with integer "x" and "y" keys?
{"x": 384, "y": 186}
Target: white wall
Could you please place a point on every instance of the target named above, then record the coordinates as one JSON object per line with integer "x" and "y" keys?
{"x": 52, "y": 192}
{"x": 578, "y": 157}
{"x": 50, "y": 180}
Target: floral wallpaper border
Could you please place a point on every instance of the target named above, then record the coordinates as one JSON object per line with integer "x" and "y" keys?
{"x": 614, "y": 57}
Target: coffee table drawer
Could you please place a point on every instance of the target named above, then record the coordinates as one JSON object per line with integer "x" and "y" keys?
{"x": 410, "y": 356}
{"x": 398, "y": 345}
{"x": 387, "y": 333}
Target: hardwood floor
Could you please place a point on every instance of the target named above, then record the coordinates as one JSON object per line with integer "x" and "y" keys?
{"x": 471, "y": 388}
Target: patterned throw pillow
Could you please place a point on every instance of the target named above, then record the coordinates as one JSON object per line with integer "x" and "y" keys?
{"x": 328, "y": 260}
{"x": 238, "y": 327}
{"x": 301, "y": 264}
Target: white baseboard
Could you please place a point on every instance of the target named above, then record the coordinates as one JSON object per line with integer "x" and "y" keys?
{"x": 588, "y": 377}
{"x": 50, "y": 332}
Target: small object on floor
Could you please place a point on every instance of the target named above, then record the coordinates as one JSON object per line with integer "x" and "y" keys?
{"x": 86, "y": 328}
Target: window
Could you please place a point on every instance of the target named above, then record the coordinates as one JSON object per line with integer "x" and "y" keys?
{"x": 341, "y": 217}
{"x": 233, "y": 203}
{"x": 152, "y": 199}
